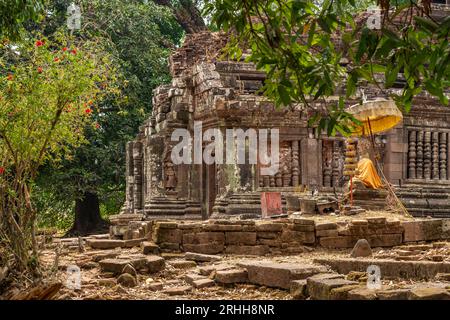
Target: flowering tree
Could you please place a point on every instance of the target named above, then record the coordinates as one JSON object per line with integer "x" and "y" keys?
{"x": 46, "y": 100}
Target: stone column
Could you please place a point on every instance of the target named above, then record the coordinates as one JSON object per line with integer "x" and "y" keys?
{"x": 427, "y": 155}
{"x": 435, "y": 154}
{"x": 443, "y": 156}
{"x": 419, "y": 155}
{"x": 295, "y": 164}
{"x": 311, "y": 162}
{"x": 412, "y": 155}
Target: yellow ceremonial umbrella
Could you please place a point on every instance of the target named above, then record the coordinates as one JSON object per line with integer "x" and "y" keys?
{"x": 375, "y": 116}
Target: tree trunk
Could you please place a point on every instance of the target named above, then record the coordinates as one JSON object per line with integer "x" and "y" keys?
{"x": 187, "y": 15}
{"x": 87, "y": 216}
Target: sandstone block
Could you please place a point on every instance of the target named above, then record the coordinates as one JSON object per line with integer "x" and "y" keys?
{"x": 327, "y": 233}
{"x": 320, "y": 288}
{"x": 326, "y": 226}
{"x": 201, "y": 257}
{"x": 206, "y": 248}
{"x": 169, "y": 235}
{"x": 203, "y": 238}
{"x": 177, "y": 291}
{"x": 105, "y": 244}
{"x": 430, "y": 293}
{"x": 269, "y": 227}
{"x": 299, "y": 289}
{"x": 203, "y": 283}
{"x": 231, "y": 276}
{"x": 247, "y": 238}
{"x": 278, "y": 275}
{"x": 259, "y": 250}
{"x": 149, "y": 248}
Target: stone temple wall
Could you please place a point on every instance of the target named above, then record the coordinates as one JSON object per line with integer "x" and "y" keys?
{"x": 223, "y": 94}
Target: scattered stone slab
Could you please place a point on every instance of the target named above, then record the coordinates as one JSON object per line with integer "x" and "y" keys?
{"x": 155, "y": 286}
{"x": 182, "y": 264}
{"x": 177, "y": 291}
{"x": 116, "y": 265}
{"x": 259, "y": 250}
{"x": 198, "y": 257}
{"x": 133, "y": 242}
{"x": 320, "y": 286}
{"x": 105, "y": 243}
{"x": 149, "y": 248}
{"x": 429, "y": 293}
{"x": 279, "y": 275}
{"x": 244, "y": 238}
{"x": 231, "y": 276}
{"x": 101, "y": 256}
{"x": 299, "y": 289}
{"x": 190, "y": 278}
{"x": 394, "y": 294}
{"x": 127, "y": 280}
{"x": 341, "y": 293}
{"x": 208, "y": 270}
{"x": 203, "y": 283}
{"x": 362, "y": 293}
{"x": 361, "y": 249}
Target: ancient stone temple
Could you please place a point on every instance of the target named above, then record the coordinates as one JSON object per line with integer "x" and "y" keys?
{"x": 222, "y": 94}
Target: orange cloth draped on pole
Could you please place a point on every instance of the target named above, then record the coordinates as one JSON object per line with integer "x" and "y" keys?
{"x": 368, "y": 175}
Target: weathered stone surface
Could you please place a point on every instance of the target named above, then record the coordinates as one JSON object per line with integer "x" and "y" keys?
{"x": 155, "y": 286}
{"x": 259, "y": 250}
{"x": 203, "y": 238}
{"x": 106, "y": 255}
{"x": 154, "y": 264}
{"x": 361, "y": 249}
{"x": 268, "y": 235}
{"x": 116, "y": 265}
{"x": 302, "y": 227}
{"x": 327, "y": 233}
{"x": 297, "y": 236}
{"x": 394, "y": 294}
{"x": 177, "y": 291}
{"x": 422, "y": 230}
{"x": 203, "y": 283}
{"x": 326, "y": 226}
{"x": 208, "y": 270}
{"x": 246, "y": 238}
{"x": 231, "y": 276}
{"x": 389, "y": 268}
{"x": 169, "y": 235}
{"x": 303, "y": 221}
{"x": 319, "y": 287}
{"x": 191, "y": 277}
{"x": 385, "y": 240}
{"x": 166, "y": 224}
{"x": 169, "y": 246}
{"x": 182, "y": 264}
{"x": 127, "y": 280}
{"x": 201, "y": 257}
{"x": 341, "y": 293}
{"x": 133, "y": 242}
{"x": 298, "y": 289}
{"x": 337, "y": 242}
{"x": 269, "y": 227}
{"x": 278, "y": 275}
{"x": 206, "y": 248}
{"x": 429, "y": 293}
{"x": 362, "y": 293}
{"x": 149, "y": 248}
{"x": 105, "y": 244}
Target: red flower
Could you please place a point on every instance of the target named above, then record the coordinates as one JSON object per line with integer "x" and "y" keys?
{"x": 88, "y": 111}
{"x": 9, "y": 77}
{"x": 64, "y": 49}
{"x": 56, "y": 59}
{"x": 73, "y": 51}
{"x": 39, "y": 43}
{"x": 39, "y": 69}
{"x": 97, "y": 125}
{"x": 2, "y": 170}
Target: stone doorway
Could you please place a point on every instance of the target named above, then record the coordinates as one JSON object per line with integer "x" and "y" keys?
{"x": 209, "y": 191}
